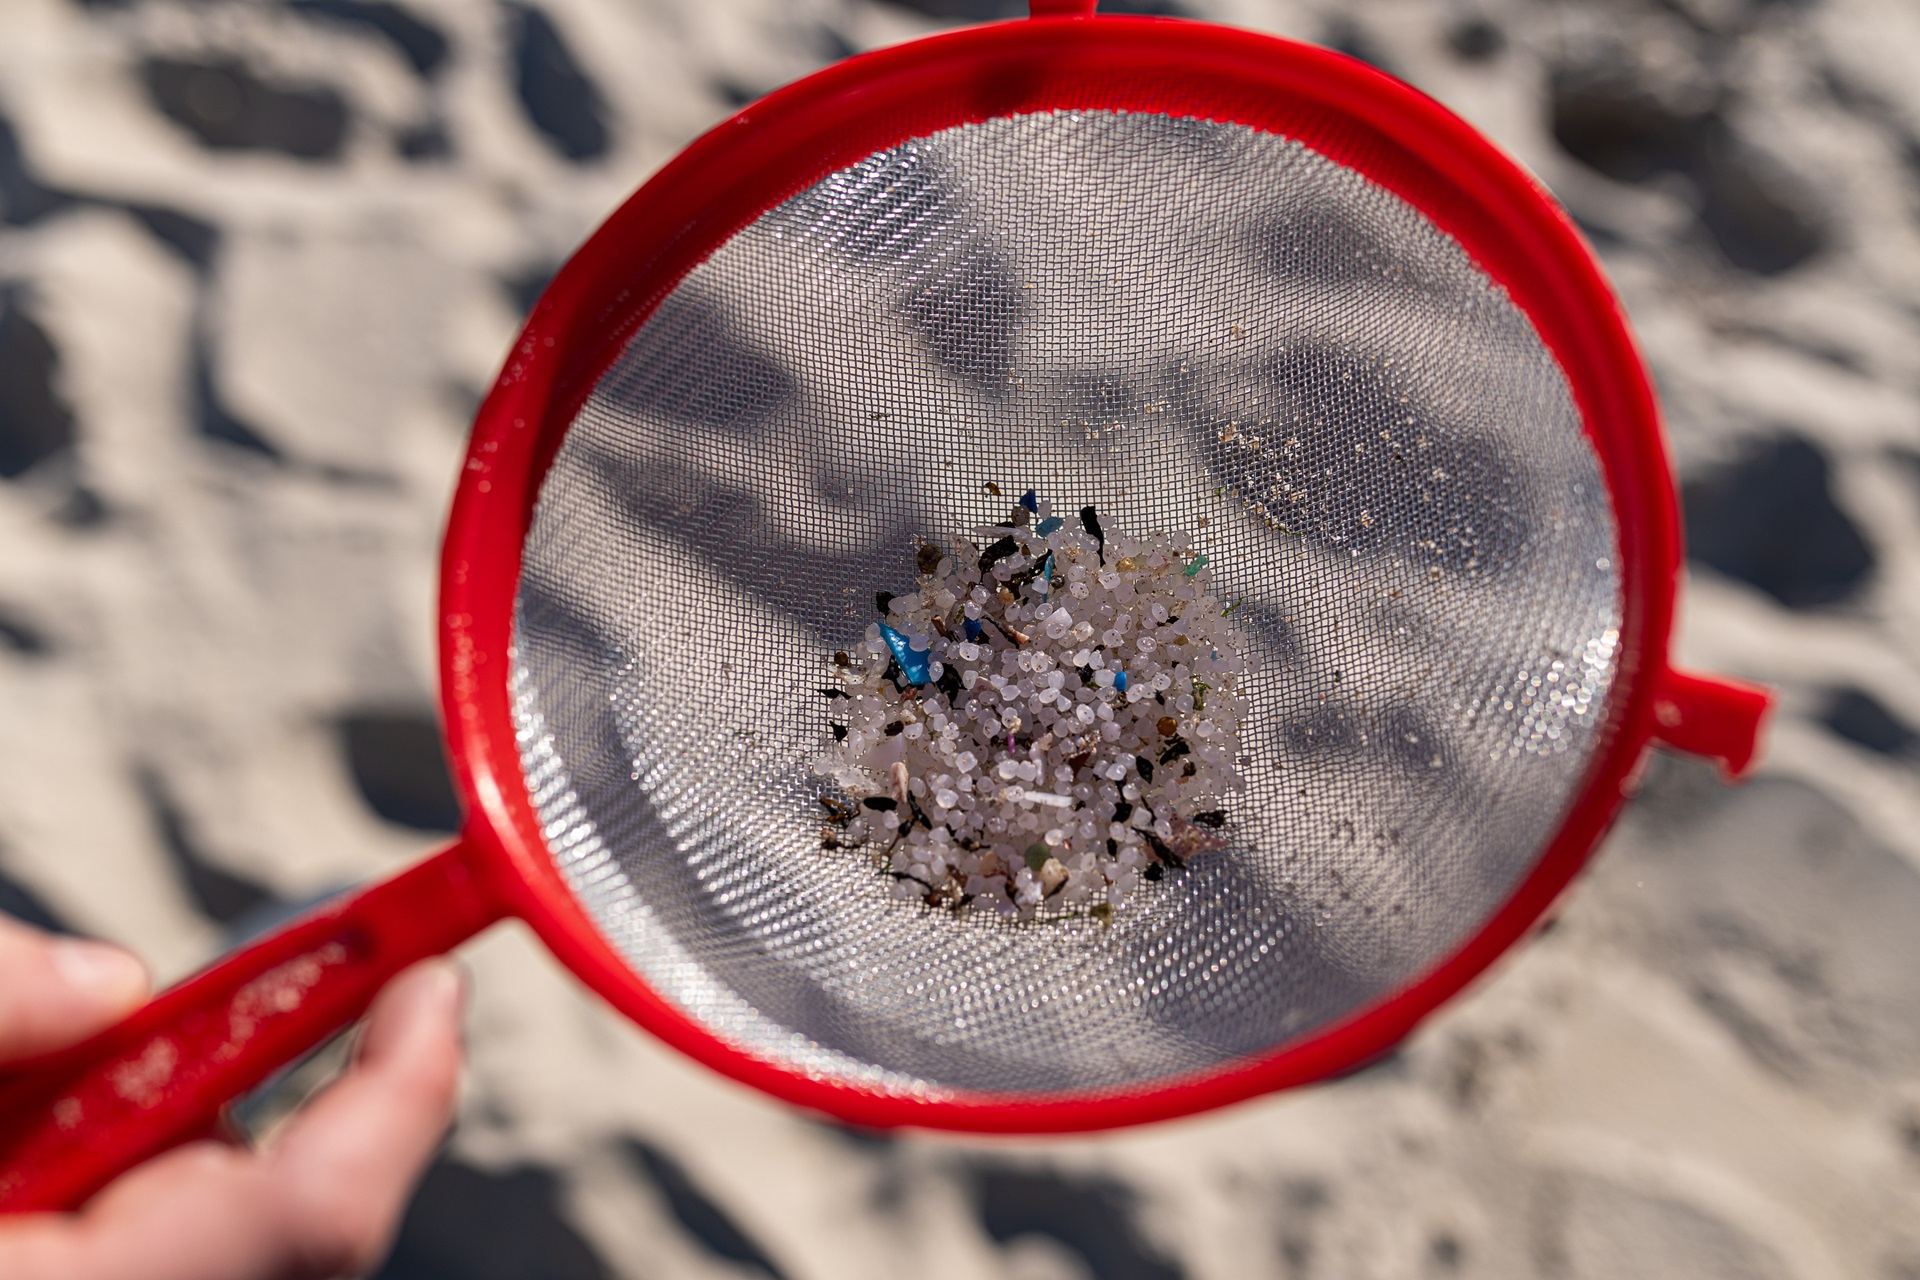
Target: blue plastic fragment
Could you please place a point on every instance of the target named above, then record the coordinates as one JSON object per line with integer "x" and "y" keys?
{"x": 912, "y": 665}
{"x": 1030, "y": 501}
{"x": 973, "y": 629}
{"x": 1119, "y": 682}
{"x": 1045, "y": 580}
{"x": 1048, "y": 525}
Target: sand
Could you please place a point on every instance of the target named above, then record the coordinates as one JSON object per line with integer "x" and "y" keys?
{"x": 259, "y": 261}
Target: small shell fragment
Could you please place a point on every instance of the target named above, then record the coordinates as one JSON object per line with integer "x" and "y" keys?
{"x": 1053, "y": 874}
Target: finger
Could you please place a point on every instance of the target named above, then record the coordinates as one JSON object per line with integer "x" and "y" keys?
{"x": 200, "y": 1212}
{"x": 323, "y": 1202}
{"x": 344, "y": 1168}
{"x": 58, "y": 991}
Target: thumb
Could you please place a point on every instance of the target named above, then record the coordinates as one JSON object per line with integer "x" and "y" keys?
{"x": 58, "y": 991}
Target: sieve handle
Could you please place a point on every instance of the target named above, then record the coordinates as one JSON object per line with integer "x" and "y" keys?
{"x": 72, "y": 1122}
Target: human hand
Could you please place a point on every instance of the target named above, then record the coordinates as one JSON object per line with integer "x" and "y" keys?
{"x": 322, "y": 1201}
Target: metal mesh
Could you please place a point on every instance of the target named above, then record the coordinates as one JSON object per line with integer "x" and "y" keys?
{"x": 1190, "y": 325}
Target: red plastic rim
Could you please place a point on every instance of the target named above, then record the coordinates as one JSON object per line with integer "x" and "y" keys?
{"x": 1391, "y": 133}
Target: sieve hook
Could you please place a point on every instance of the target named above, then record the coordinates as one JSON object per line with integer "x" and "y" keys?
{"x": 1711, "y": 716}
{"x": 1060, "y": 8}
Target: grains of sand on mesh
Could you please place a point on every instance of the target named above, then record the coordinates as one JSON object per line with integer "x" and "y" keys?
{"x": 1051, "y": 717}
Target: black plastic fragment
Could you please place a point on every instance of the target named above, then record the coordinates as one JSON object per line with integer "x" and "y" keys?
{"x": 1090, "y": 521}
{"x": 997, "y": 552}
{"x": 949, "y": 684}
{"x": 839, "y": 732}
{"x": 895, "y": 729}
{"x": 1013, "y": 637}
{"x": 918, "y": 815}
{"x": 1153, "y": 871}
{"x": 1178, "y": 748}
{"x": 881, "y": 599}
{"x": 883, "y": 803}
{"x": 1122, "y": 811}
{"x": 1027, "y": 574}
{"x": 1145, "y": 766}
{"x": 1161, "y": 851}
{"x": 1215, "y": 818}
{"x": 831, "y": 692}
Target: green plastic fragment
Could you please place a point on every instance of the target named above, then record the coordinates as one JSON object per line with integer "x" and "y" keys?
{"x": 1037, "y": 855}
{"x": 1199, "y": 563}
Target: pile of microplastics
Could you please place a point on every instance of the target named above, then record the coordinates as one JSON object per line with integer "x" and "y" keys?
{"x": 1050, "y": 718}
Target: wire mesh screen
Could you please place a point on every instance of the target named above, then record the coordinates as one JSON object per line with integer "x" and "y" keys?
{"x": 1191, "y": 326}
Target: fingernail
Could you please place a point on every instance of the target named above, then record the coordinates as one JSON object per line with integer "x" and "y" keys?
{"x": 105, "y": 973}
{"x": 441, "y": 986}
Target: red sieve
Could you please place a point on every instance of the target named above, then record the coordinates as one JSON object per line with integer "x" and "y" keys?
{"x": 1196, "y": 278}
